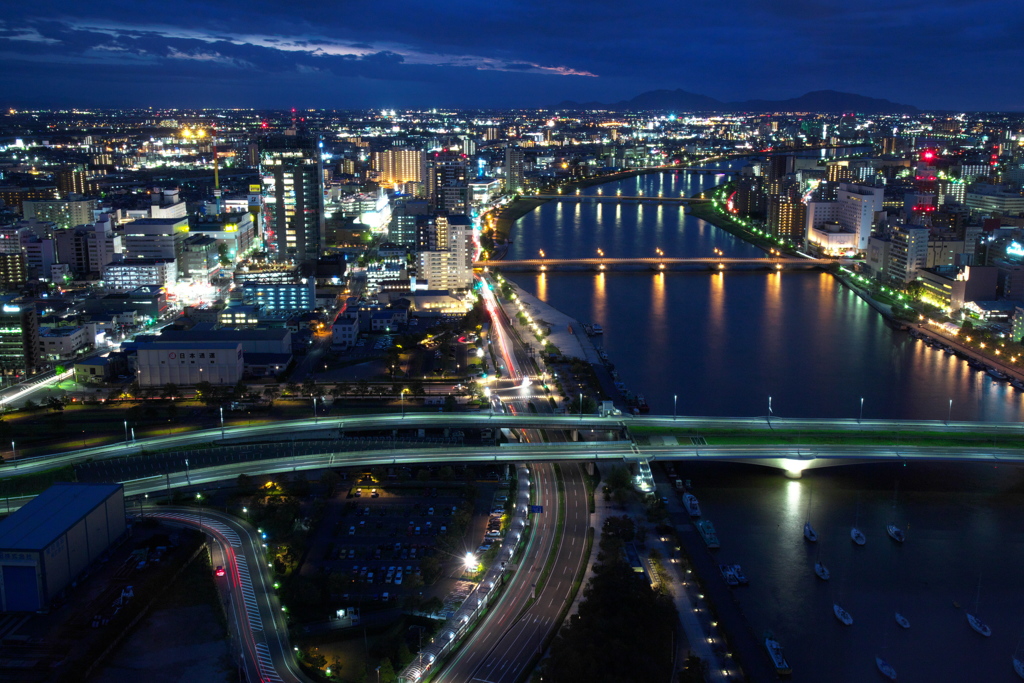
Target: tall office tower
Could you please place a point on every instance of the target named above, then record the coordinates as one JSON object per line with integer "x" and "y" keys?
{"x": 513, "y": 169}
{"x": 858, "y": 205}
{"x": 837, "y": 170}
{"x": 447, "y": 189}
{"x": 293, "y": 198}
{"x": 399, "y": 166}
{"x": 19, "y": 338}
{"x": 779, "y": 166}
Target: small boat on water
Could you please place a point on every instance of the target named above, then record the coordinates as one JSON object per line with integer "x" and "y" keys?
{"x": 857, "y": 536}
{"x": 822, "y": 571}
{"x": 740, "y": 576}
{"x": 782, "y": 667}
{"x": 1018, "y": 666}
{"x": 979, "y": 625}
{"x": 728, "y": 574}
{"x": 996, "y": 375}
{"x": 902, "y": 620}
{"x": 1017, "y": 384}
{"x": 809, "y": 533}
{"x": 692, "y": 505}
{"x": 895, "y": 533}
{"x": 842, "y": 615}
{"x": 885, "y": 668}
{"x": 707, "y": 532}
{"x": 597, "y": 329}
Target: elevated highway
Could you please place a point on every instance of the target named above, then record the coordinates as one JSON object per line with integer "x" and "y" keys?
{"x": 327, "y": 428}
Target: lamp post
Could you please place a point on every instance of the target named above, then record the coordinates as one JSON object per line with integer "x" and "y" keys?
{"x": 675, "y": 399}
{"x": 199, "y": 498}
{"x": 245, "y": 511}
{"x": 769, "y": 406}
{"x": 861, "y": 418}
{"x": 403, "y": 402}
{"x": 222, "y": 423}
{"x": 581, "y": 406}
{"x": 126, "y": 431}
{"x": 949, "y": 415}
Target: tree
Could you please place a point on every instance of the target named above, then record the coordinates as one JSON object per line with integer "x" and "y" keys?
{"x": 386, "y": 671}
{"x": 171, "y": 391}
{"x": 55, "y": 404}
{"x": 432, "y": 605}
{"x": 292, "y": 389}
{"x": 246, "y": 486}
{"x": 308, "y": 386}
{"x": 240, "y": 390}
{"x": 330, "y": 480}
{"x": 450, "y": 404}
{"x": 271, "y": 392}
{"x": 59, "y": 370}
{"x": 204, "y": 391}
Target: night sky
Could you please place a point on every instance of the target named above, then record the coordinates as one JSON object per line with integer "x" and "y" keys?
{"x": 943, "y": 54}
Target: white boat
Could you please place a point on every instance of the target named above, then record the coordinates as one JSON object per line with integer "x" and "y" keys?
{"x": 778, "y": 659}
{"x": 809, "y": 533}
{"x": 902, "y": 620}
{"x": 822, "y": 571}
{"x": 842, "y": 615}
{"x": 857, "y": 536}
{"x": 692, "y": 505}
{"x": 976, "y": 623}
{"x": 979, "y": 625}
{"x": 895, "y": 533}
{"x": 885, "y": 668}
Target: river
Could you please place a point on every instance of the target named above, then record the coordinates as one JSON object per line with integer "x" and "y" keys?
{"x": 725, "y": 343}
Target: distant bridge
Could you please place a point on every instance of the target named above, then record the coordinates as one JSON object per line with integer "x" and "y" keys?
{"x": 618, "y": 198}
{"x": 658, "y": 263}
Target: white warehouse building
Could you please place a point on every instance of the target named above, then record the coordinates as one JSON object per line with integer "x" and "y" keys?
{"x": 188, "y": 363}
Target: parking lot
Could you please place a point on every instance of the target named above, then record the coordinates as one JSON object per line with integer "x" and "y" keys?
{"x": 388, "y": 541}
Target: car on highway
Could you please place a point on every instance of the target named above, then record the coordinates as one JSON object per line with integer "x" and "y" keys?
{"x": 219, "y": 571}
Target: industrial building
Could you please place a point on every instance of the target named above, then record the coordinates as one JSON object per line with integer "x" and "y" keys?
{"x": 50, "y": 541}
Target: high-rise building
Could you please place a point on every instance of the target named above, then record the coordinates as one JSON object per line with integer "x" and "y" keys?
{"x": 399, "y": 166}
{"x": 72, "y": 180}
{"x": 858, "y": 205}
{"x": 908, "y": 252}
{"x": 13, "y": 270}
{"x": 447, "y": 190}
{"x": 155, "y": 238}
{"x": 86, "y": 249}
{"x": 514, "y": 161}
{"x": 293, "y": 199}
{"x": 19, "y": 338}
{"x": 450, "y": 264}
{"x": 787, "y": 217}
{"x": 65, "y": 213}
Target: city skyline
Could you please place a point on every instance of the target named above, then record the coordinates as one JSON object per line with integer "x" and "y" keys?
{"x": 55, "y": 54}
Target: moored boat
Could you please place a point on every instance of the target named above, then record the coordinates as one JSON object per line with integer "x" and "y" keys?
{"x": 740, "y": 576}
{"x": 895, "y": 533}
{"x": 857, "y": 536}
{"x": 902, "y": 620}
{"x": 1018, "y": 666}
{"x": 692, "y": 504}
{"x": 809, "y": 533}
{"x": 885, "y": 668}
{"x": 822, "y": 571}
{"x": 979, "y": 625}
{"x": 841, "y": 614}
{"x": 782, "y": 666}
{"x": 707, "y": 532}
{"x": 995, "y": 374}
{"x": 728, "y": 574}
{"x": 597, "y": 329}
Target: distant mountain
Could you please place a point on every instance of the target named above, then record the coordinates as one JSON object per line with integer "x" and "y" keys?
{"x": 828, "y": 101}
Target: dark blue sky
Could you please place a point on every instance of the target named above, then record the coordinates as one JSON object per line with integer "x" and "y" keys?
{"x": 950, "y": 54}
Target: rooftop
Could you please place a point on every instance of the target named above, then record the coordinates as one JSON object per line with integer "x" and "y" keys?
{"x": 43, "y": 519}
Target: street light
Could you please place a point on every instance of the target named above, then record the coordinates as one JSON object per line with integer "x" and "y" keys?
{"x": 859, "y": 419}
{"x": 126, "y": 431}
{"x": 222, "y": 423}
{"x": 581, "y": 406}
{"x": 949, "y": 416}
{"x": 403, "y": 401}
{"x": 769, "y": 406}
{"x": 675, "y": 398}
{"x": 314, "y": 410}
{"x": 199, "y": 498}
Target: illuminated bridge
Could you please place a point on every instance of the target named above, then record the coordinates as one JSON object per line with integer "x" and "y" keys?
{"x": 658, "y": 263}
{"x": 619, "y": 198}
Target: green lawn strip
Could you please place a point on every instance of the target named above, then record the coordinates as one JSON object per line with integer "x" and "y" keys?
{"x": 37, "y": 482}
